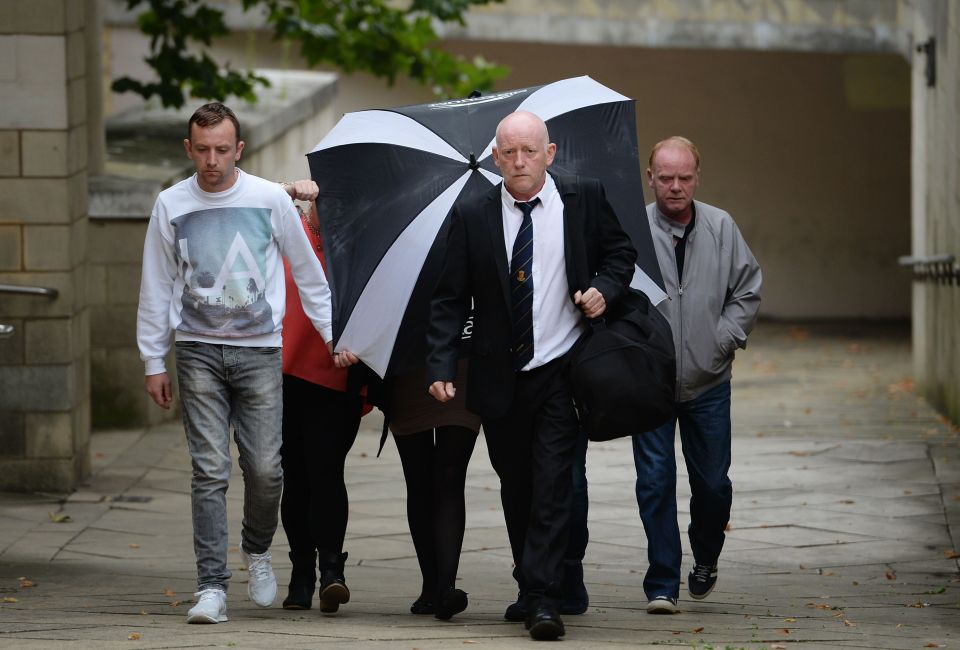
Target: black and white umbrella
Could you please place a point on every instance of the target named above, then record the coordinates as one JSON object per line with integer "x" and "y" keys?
{"x": 389, "y": 178}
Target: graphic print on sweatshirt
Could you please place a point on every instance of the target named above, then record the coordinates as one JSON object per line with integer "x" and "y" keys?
{"x": 222, "y": 258}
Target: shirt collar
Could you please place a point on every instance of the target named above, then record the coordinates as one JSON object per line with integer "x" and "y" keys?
{"x": 548, "y": 188}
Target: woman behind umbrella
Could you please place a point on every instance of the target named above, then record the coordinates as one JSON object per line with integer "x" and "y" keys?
{"x": 320, "y": 423}
{"x": 435, "y": 442}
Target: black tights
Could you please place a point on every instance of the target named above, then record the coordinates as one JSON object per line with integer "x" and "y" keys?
{"x": 319, "y": 427}
{"x": 435, "y": 470}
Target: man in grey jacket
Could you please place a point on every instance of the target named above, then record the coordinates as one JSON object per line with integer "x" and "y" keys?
{"x": 713, "y": 284}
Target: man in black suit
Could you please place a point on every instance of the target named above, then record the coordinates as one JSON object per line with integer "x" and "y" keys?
{"x": 536, "y": 254}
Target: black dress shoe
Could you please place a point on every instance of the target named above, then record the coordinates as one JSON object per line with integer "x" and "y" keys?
{"x": 545, "y": 624}
{"x": 423, "y": 606}
{"x": 517, "y": 612}
{"x": 452, "y": 602}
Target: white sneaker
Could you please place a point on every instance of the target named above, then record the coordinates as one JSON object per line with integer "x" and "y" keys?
{"x": 262, "y": 586}
{"x": 211, "y": 607}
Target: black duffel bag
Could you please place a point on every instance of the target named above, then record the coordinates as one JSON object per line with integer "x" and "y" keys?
{"x": 623, "y": 370}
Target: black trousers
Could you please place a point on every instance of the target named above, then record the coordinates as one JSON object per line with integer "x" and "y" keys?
{"x": 319, "y": 427}
{"x": 532, "y": 449}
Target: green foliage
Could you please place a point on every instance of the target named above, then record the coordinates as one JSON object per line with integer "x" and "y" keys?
{"x": 375, "y": 36}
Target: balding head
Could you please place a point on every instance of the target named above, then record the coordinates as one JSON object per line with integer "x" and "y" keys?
{"x": 523, "y": 153}
{"x": 523, "y": 121}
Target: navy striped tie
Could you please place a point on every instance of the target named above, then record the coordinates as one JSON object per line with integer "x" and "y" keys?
{"x": 521, "y": 287}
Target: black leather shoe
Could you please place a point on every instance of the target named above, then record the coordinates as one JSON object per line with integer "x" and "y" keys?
{"x": 517, "y": 612}
{"x": 545, "y": 624}
{"x": 451, "y": 603}
{"x": 423, "y": 606}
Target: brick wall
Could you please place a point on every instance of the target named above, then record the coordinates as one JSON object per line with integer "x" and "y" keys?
{"x": 44, "y": 367}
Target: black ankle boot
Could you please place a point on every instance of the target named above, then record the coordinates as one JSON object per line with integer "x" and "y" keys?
{"x": 303, "y": 581}
{"x": 333, "y": 586}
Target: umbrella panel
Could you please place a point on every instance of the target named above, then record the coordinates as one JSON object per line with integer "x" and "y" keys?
{"x": 411, "y": 348}
{"x": 601, "y": 141}
{"x": 467, "y": 125}
{"x": 359, "y": 184}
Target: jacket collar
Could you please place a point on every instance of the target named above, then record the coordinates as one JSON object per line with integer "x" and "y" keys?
{"x": 494, "y": 216}
{"x": 668, "y": 225}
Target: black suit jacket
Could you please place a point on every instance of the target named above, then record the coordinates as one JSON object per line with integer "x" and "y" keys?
{"x": 597, "y": 253}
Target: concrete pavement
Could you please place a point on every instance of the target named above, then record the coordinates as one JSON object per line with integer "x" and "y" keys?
{"x": 843, "y": 532}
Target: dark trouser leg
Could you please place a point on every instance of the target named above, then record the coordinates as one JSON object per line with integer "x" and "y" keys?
{"x": 509, "y": 448}
{"x": 705, "y": 435}
{"x": 339, "y": 419}
{"x": 297, "y": 431}
{"x": 653, "y": 455}
{"x": 319, "y": 427}
{"x": 532, "y": 450}
{"x": 454, "y": 446}
{"x": 417, "y": 457}
{"x": 338, "y": 416}
{"x": 579, "y": 534}
{"x": 554, "y": 440}
{"x": 575, "y": 599}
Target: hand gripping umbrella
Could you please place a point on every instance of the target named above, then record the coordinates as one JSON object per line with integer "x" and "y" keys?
{"x": 389, "y": 178}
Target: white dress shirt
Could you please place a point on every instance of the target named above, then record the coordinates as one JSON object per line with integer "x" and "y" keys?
{"x": 557, "y": 322}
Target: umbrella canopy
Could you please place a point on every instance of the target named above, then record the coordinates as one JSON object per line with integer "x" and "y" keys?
{"x": 389, "y": 179}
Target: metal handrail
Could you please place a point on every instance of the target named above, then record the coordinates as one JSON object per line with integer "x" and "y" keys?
{"x": 935, "y": 268}
{"x": 29, "y": 291}
{"x": 6, "y": 331}
{"x": 911, "y": 260}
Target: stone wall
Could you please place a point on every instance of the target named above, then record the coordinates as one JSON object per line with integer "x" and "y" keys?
{"x": 798, "y": 25}
{"x": 44, "y": 367}
{"x": 145, "y": 154}
{"x": 936, "y": 203}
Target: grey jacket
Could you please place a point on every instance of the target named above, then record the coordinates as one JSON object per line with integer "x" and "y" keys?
{"x": 715, "y": 306}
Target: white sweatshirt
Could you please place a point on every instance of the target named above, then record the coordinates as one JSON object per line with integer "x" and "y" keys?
{"x": 212, "y": 268}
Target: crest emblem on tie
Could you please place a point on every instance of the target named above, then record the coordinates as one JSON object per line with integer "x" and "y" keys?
{"x": 521, "y": 276}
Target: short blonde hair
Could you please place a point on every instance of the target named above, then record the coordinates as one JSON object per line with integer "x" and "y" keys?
{"x": 676, "y": 140}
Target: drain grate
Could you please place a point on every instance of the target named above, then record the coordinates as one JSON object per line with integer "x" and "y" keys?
{"x": 129, "y": 498}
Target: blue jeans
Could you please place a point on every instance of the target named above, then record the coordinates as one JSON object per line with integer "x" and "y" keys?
{"x": 224, "y": 386}
{"x": 705, "y": 436}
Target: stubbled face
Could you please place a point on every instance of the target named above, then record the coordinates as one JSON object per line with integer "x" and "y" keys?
{"x": 674, "y": 180}
{"x": 523, "y": 154}
{"x": 214, "y": 151}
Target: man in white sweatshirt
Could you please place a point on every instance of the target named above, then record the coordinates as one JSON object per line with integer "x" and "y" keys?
{"x": 212, "y": 273}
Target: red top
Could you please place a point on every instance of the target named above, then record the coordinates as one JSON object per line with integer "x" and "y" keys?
{"x": 304, "y": 350}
